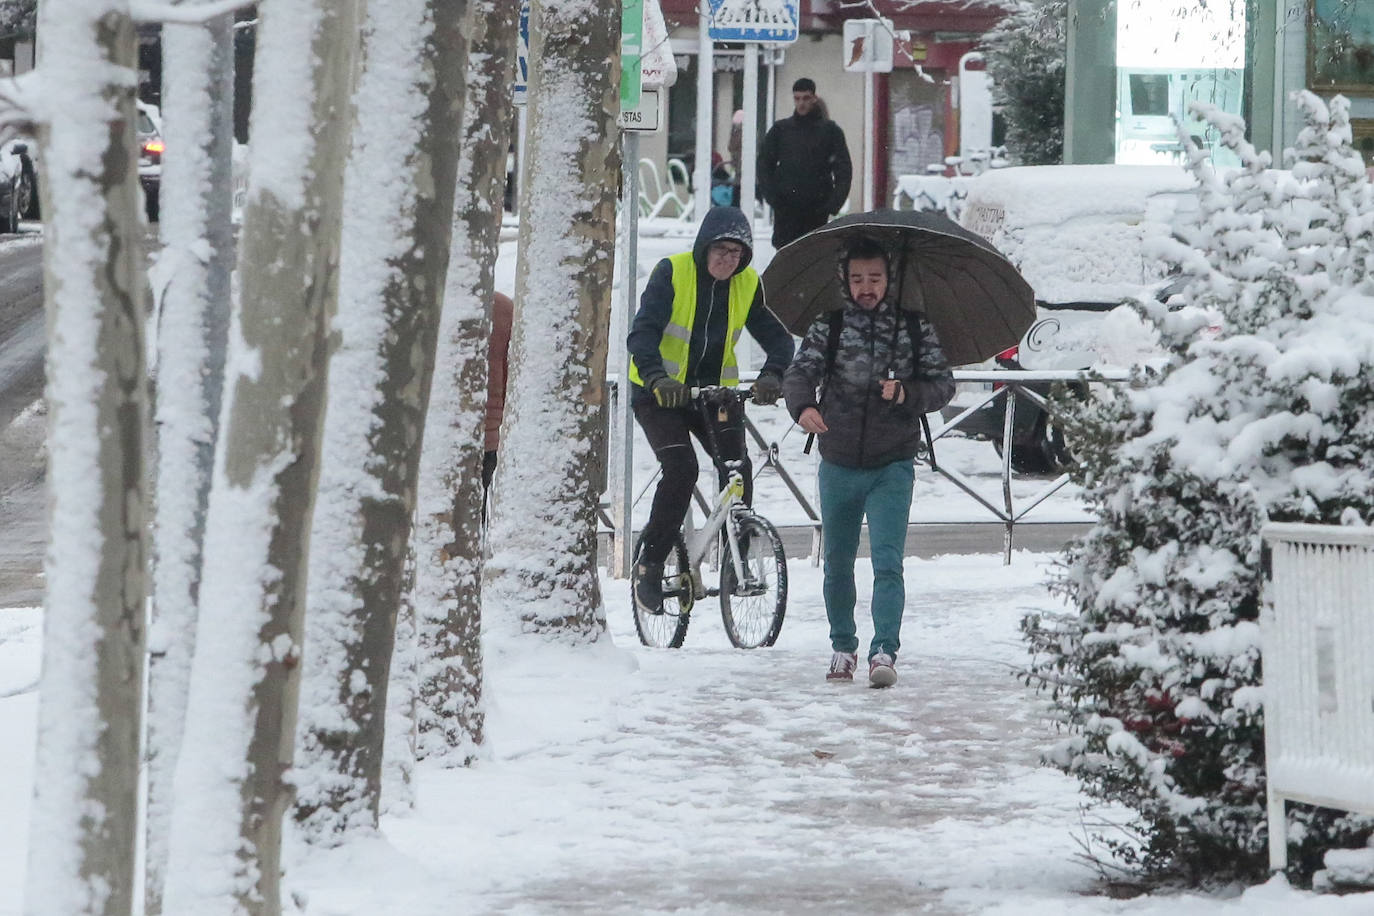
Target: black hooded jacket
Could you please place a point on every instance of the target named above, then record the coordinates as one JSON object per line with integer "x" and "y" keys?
{"x": 804, "y": 164}
{"x": 707, "y": 346}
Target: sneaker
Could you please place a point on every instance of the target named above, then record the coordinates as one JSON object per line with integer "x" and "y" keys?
{"x": 882, "y": 670}
{"x": 842, "y": 665}
{"x": 648, "y": 590}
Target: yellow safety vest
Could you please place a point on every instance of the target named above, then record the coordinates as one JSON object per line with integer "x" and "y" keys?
{"x": 677, "y": 336}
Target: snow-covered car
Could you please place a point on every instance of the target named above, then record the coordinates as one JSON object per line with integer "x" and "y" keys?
{"x": 150, "y": 149}
{"x": 18, "y": 185}
{"x": 1078, "y": 235}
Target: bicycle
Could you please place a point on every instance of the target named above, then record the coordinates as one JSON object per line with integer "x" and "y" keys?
{"x": 753, "y": 567}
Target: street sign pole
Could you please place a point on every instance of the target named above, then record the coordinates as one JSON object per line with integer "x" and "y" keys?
{"x": 868, "y": 128}
{"x": 749, "y": 131}
{"x": 701, "y": 172}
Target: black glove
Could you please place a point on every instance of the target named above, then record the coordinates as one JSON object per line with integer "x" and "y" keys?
{"x": 767, "y": 389}
{"x": 669, "y": 392}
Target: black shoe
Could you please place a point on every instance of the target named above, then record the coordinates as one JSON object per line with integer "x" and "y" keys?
{"x": 648, "y": 590}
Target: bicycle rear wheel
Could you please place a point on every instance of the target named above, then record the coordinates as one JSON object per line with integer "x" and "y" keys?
{"x": 753, "y": 609}
{"x": 666, "y": 629}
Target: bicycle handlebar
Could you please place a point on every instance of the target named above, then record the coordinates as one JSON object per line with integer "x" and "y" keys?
{"x": 744, "y": 394}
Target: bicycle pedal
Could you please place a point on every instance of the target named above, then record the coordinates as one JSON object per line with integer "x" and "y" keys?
{"x": 712, "y": 593}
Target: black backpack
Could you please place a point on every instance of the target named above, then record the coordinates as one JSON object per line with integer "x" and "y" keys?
{"x": 832, "y": 347}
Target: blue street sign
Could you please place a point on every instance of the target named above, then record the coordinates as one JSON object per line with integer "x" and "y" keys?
{"x": 763, "y": 21}
{"x": 522, "y": 54}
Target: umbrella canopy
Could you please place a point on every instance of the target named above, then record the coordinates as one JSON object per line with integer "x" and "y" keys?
{"x": 978, "y": 303}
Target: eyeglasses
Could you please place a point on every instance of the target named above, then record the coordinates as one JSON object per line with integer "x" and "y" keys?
{"x": 732, "y": 252}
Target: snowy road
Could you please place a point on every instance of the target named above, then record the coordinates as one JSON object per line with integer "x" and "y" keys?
{"x": 22, "y": 344}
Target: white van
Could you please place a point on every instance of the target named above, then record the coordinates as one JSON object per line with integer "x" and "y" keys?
{"x": 1077, "y": 233}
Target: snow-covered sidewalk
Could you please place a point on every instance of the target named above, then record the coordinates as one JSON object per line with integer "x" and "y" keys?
{"x": 711, "y": 780}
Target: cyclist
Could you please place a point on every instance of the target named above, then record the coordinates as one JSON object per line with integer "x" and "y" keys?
{"x": 693, "y": 311}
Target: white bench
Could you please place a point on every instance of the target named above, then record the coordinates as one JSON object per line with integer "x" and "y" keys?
{"x": 1317, "y": 640}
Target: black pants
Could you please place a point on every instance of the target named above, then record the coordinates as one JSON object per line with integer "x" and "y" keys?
{"x": 669, "y": 433}
{"x": 790, "y": 223}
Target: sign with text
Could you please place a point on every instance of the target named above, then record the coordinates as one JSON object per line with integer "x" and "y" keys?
{"x": 644, "y": 116}
{"x": 763, "y": 21}
{"x": 656, "y": 64}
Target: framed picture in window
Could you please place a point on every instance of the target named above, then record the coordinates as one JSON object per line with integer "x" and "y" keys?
{"x": 1340, "y": 46}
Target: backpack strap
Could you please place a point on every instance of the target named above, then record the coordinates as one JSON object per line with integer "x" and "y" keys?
{"x": 832, "y": 347}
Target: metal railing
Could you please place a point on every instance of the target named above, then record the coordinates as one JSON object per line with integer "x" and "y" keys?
{"x": 1010, "y": 384}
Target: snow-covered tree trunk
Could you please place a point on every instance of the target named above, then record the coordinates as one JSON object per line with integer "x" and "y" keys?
{"x": 409, "y": 97}
{"x": 543, "y": 571}
{"x": 399, "y": 742}
{"x": 85, "y": 812}
{"x": 193, "y": 277}
{"x": 448, "y": 595}
{"x": 231, "y": 782}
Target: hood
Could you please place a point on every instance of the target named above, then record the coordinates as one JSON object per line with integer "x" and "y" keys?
{"x": 724, "y": 223}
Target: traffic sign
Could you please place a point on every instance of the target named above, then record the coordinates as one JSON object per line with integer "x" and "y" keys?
{"x": 656, "y": 64}
{"x": 763, "y": 21}
{"x": 868, "y": 46}
{"x": 631, "y": 46}
{"x": 644, "y": 116}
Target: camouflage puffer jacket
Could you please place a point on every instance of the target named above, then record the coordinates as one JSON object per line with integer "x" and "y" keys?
{"x": 866, "y": 431}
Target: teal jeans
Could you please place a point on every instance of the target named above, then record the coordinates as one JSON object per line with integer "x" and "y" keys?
{"x": 884, "y": 496}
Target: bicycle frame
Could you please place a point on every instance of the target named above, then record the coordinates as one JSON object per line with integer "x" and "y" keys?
{"x": 704, "y": 537}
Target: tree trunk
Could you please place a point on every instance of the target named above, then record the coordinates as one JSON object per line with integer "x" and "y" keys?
{"x": 552, "y": 473}
{"x": 194, "y": 268}
{"x": 449, "y": 529}
{"x": 226, "y": 825}
{"x": 399, "y": 743}
{"x": 392, "y": 285}
{"x": 85, "y": 811}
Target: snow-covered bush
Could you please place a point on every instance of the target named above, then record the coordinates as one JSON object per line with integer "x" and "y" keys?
{"x": 1155, "y": 672}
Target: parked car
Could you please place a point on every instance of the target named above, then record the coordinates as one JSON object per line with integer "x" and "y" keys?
{"x": 1078, "y": 235}
{"x": 150, "y": 148}
{"x": 18, "y": 185}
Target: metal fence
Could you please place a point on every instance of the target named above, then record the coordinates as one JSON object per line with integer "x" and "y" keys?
{"x": 1009, "y": 385}
{"x": 1317, "y": 642}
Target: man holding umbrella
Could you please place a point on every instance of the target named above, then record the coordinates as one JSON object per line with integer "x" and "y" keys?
{"x": 879, "y": 369}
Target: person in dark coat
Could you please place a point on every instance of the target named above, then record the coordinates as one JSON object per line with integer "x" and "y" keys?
{"x": 693, "y": 311}
{"x": 888, "y": 370}
{"x": 803, "y": 167}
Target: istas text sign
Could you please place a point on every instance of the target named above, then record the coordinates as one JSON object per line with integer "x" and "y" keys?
{"x": 764, "y": 21}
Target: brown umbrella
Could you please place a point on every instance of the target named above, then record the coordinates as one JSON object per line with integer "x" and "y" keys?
{"x": 977, "y": 301}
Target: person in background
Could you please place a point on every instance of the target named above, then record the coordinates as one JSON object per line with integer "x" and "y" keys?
{"x": 498, "y": 346}
{"x": 804, "y": 170}
{"x": 887, "y": 370}
{"x": 694, "y": 309}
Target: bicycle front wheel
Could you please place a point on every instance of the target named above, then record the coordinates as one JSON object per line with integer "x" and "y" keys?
{"x": 753, "y": 609}
{"x": 667, "y": 628}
